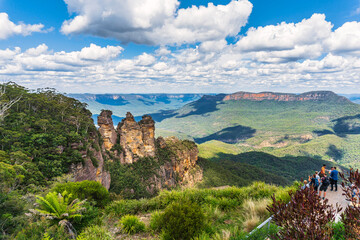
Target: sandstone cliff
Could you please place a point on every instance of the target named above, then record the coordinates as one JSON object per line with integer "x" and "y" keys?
{"x": 308, "y": 96}
{"x": 93, "y": 167}
{"x": 106, "y": 129}
{"x": 136, "y": 139}
{"x": 171, "y": 162}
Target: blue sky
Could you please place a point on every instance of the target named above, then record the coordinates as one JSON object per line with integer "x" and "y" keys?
{"x": 181, "y": 46}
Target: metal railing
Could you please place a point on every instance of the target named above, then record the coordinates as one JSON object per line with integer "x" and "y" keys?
{"x": 265, "y": 224}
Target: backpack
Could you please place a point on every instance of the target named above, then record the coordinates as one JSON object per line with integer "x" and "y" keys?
{"x": 326, "y": 181}
{"x": 315, "y": 182}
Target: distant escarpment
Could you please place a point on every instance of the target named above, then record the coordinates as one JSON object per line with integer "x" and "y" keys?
{"x": 287, "y": 97}
{"x": 139, "y": 164}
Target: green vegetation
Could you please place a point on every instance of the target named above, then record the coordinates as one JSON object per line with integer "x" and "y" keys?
{"x": 242, "y": 169}
{"x": 318, "y": 129}
{"x": 89, "y": 190}
{"x": 39, "y": 132}
{"x": 182, "y": 221}
{"x": 95, "y": 232}
{"x": 131, "y": 224}
{"x": 232, "y": 210}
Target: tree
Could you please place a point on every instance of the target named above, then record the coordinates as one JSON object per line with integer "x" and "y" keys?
{"x": 59, "y": 209}
{"x": 5, "y": 104}
{"x": 306, "y": 216}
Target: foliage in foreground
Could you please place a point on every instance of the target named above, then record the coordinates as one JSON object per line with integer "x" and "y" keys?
{"x": 131, "y": 224}
{"x": 306, "y": 216}
{"x": 59, "y": 209}
{"x": 89, "y": 190}
{"x": 182, "y": 220}
{"x": 351, "y": 215}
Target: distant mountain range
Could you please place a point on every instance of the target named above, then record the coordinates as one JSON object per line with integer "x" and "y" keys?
{"x": 162, "y": 106}
{"x": 353, "y": 97}
{"x": 318, "y": 124}
{"x": 138, "y": 104}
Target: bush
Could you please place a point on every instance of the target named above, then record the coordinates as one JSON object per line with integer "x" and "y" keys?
{"x": 95, "y": 232}
{"x": 155, "y": 221}
{"x": 338, "y": 231}
{"x": 131, "y": 224}
{"x": 90, "y": 190}
{"x": 182, "y": 220}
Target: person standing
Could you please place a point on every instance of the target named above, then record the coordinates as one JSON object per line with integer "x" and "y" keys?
{"x": 306, "y": 185}
{"x": 323, "y": 170}
{"x": 314, "y": 182}
{"x": 324, "y": 185}
{"x": 334, "y": 178}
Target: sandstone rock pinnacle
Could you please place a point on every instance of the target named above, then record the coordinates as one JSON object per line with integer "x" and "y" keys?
{"x": 106, "y": 129}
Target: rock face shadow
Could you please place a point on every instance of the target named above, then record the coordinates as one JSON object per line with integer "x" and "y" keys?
{"x": 204, "y": 105}
{"x": 229, "y": 135}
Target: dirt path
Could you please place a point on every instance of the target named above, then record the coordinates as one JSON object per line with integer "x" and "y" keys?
{"x": 337, "y": 198}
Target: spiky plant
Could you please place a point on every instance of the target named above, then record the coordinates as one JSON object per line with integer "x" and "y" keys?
{"x": 59, "y": 209}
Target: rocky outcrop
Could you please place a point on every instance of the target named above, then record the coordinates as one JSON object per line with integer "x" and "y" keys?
{"x": 176, "y": 159}
{"x": 93, "y": 167}
{"x": 147, "y": 125}
{"x": 308, "y": 96}
{"x": 182, "y": 166}
{"x": 106, "y": 129}
{"x": 137, "y": 139}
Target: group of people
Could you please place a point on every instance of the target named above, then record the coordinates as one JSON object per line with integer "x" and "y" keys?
{"x": 320, "y": 181}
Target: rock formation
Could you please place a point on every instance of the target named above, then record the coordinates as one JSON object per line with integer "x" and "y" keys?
{"x": 183, "y": 162}
{"x": 137, "y": 140}
{"x": 93, "y": 167}
{"x": 106, "y": 129}
{"x": 315, "y": 96}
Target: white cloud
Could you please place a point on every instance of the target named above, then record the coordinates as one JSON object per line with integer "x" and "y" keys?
{"x": 287, "y": 41}
{"x": 345, "y": 39}
{"x": 266, "y": 58}
{"x": 95, "y": 52}
{"x": 8, "y": 28}
{"x": 156, "y": 22}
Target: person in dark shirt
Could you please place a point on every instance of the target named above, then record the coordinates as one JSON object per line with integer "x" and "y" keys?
{"x": 325, "y": 182}
{"x": 334, "y": 178}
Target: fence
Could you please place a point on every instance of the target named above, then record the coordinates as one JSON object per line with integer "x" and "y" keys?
{"x": 263, "y": 225}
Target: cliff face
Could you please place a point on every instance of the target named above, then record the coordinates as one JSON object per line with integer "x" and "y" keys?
{"x": 136, "y": 139}
{"x": 308, "y": 96}
{"x": 176, "y": 159}
{"x": 94, "y": 167}
{"x": 183, "y": 162}
{"x": 106, "y": 129}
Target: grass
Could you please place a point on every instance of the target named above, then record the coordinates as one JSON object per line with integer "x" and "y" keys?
{"x": 229, "y": 212}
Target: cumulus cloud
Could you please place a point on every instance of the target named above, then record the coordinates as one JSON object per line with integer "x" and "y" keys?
{"x": 287, "y": 41}
{"x": 8, "y": 28}
{"x": 345, "y": 39}
{"x": 41, "y": 59}
{"x": 291, "y": 57}
{"x": 156, "y": 22}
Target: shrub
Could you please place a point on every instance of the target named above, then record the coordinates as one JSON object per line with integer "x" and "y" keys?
{"x": 95, "y": 232}
{"x": 297, "y": 218}
{"x": 90, "y": 190}
{"x": 182, "y": 220}
{"x": 338, "y": 231}
{"x": 131, "y": 224}
{"x": 351, "y": 216}
{"x": 155, "y": 221}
